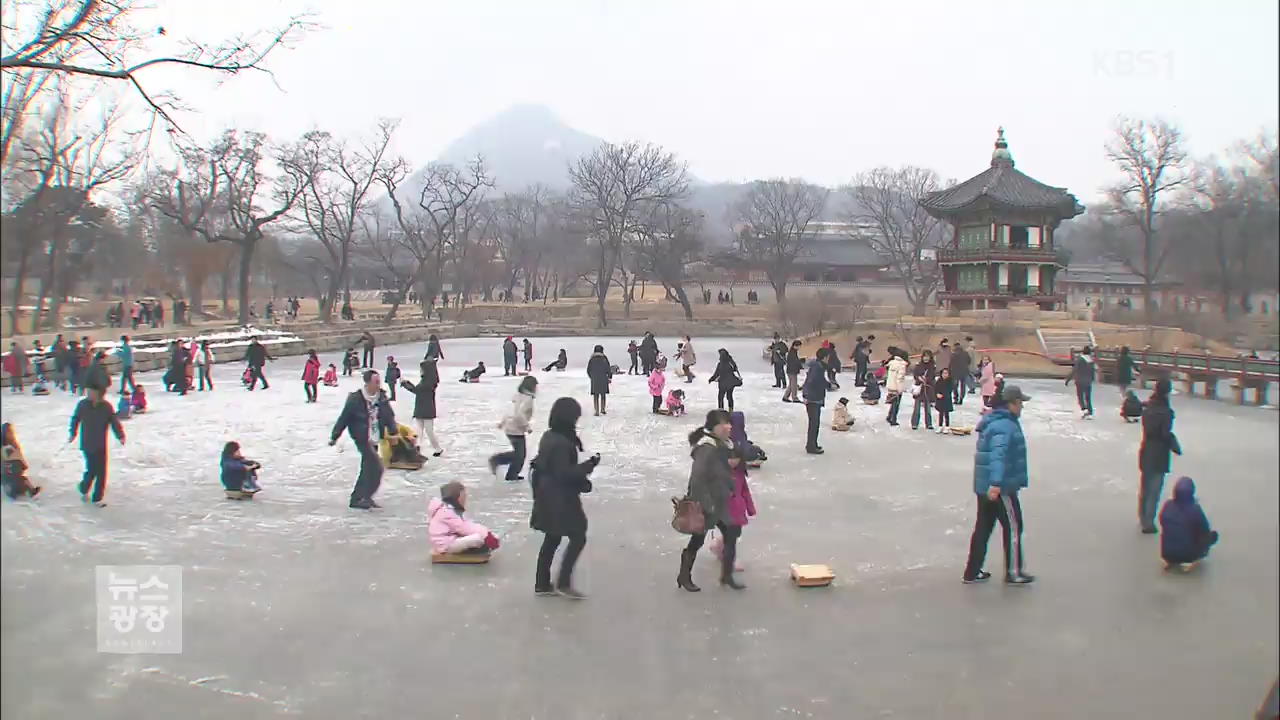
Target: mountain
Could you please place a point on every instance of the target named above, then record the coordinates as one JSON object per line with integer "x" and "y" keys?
{"x": 522, "y": 145}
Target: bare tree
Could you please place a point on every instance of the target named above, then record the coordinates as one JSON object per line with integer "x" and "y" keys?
{"x": 338, "y": 181}
{"x": 236, "y": 178}
{"x": 67, "y": 161}
{"x": 100, "y": 39}
{"x": 888, "y": 201}
{"x": 669, "y": 240}
{"x": 1150, "y": 155}
{"x": 521, "y": 226}
{"x": 775, "y": 216}
{"x": 611, "y": 188}
{"x": 385, "y": 242}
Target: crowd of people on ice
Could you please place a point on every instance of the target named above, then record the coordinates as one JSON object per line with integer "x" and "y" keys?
{"x": 720, "y": 450}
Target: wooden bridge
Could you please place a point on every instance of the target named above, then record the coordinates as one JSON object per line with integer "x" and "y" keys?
{"x": 1191, "y": 368}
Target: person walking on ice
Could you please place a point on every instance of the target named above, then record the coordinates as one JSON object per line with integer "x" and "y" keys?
{"x": 1083, "y": 373}
{"x": 93, "y": 416}
{"x": 559, "y": 481}
{"x": 515, "y": 425}
{"x": 424, "y": 403}
{"x": 600, "y": 372}
{"x": 999, "y": 473}
{"x": 367, "y": 417}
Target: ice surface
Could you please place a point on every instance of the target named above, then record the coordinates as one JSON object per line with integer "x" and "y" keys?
{"x": 297, "y": 605}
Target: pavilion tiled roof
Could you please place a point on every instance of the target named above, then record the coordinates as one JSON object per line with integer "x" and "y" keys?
{"x": 1002, "y": 186}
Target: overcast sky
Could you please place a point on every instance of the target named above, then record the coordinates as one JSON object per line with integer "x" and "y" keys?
{"x": 743, "y": 90}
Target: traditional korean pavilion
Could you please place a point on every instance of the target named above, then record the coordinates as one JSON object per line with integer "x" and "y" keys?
{"x": 1002, "y": 249}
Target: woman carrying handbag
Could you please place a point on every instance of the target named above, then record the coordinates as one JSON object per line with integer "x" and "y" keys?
{"x": 711, "y": 487}
{"x": 726, "y": 375}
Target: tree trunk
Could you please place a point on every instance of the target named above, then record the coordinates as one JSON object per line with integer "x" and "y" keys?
{"x": 779, "y": 290}
{"x": 195, "y": 291}
{"x": 226, "y": 287}
{"x": 46, "y": 284}
{"x": 326, "y": 311}
{"x": 18, "y": 282}
{"x": 246, "y": 268}
{"x": 684, "y": 301}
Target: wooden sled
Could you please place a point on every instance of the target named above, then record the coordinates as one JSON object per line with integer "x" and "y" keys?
{"x": 812, "y": 575}
{"x": 870, "y": 402}
{"x": 238, "y": 494}
{"x": 962, "y": 430}
{"x": 755, "y": 465}
{"x": 405, "y": 465}
{"x": 471, "y": 558}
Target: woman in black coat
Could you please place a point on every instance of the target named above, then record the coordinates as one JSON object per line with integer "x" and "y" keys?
{"x": 1158, "y": 441}
{"x": 727, "y": 376}
{"x": 711, "y": 485}
{"x": 558, "y": 481}
{"x": 424, "y": 403}
{"x": 433, "y": 349}
{"x": 600, "y": 372}
{"x": 560, "y": 363}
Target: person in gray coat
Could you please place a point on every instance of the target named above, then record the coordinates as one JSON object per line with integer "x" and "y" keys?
{"x": 1083, "y": 373}
{"x": 711, "y": 485}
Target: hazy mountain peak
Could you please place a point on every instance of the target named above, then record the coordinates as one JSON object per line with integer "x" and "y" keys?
{"x": 523, "y": 145}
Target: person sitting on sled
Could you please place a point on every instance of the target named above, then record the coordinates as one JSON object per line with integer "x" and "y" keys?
{"x": 238, "y": 473}
{"x": 331, "y": 376}
{"x": 400, "y": 450}
{"x": 450, "y": 532}
{"x": 473, "y": 375}
{"x": 840, "y": 420}
{"x": 675, "y": 403}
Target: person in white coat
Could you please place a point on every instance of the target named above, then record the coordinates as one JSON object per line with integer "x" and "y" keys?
{"x": 688, "y": 359}
{"x": 516, "y": 425}
{"x": 204, "y": 360}
{"x": 896, "y": 382}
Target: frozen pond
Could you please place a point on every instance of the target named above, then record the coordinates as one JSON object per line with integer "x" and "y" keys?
{"x": 296, "y": 606}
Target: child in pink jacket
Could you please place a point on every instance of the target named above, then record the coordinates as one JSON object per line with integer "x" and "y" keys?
{"x": 741, "y": 506}
{"x": 449, "y": 531}
{"x": 657, "y": 381}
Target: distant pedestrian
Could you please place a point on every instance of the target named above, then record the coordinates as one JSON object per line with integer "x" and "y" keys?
{"x": 204, "y": 365}
{"x": 367, "y": 343}
{"x": 778, "y": 359}
{"x": 392, "y": 376}
{"x": 509, "y": 353}
{"x": 600, "y": 372}
{"x": 657, "y": 381}
{"x": 15, "y": 366}
{"x": 633, "y": 351}
{"x": 311, "y": 376}
{"x": 1124, "y": 370}
{"x": 794, "y": 365}
{"x": 895, "y": 383}
{"x": 433, "y": 348}
{"x": 726, "y": 378}
{"x": 256, "y": 356}
{"x": 1083, "y": 373}
{"x": 688, "y": 359}
{"x": 528, "y": 356}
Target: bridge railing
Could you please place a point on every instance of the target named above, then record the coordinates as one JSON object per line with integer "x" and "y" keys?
{"x": 1235, "y": 367}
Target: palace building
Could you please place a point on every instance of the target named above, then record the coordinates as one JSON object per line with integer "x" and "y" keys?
{"x": 1002, "y": 249}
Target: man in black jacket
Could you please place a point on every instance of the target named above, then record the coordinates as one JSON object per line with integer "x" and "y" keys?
{"x": 256, "y": 356}
{"x": 367, "y": 418}
{"x": 92, "y": 417}
{"x": 860, "y": 361}
{"x": 815, "y": 395}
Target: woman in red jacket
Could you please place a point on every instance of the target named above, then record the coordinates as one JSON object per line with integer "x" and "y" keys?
{"x": 311, "y": 376}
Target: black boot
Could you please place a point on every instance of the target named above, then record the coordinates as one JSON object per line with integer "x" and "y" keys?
{"x": 684, "y": 580}
{"x": 726, "y": 572}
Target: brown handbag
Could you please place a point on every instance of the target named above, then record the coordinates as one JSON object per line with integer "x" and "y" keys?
{"x": 688, "y": 518}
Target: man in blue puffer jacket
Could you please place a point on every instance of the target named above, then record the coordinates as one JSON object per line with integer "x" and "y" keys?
{"x": 999, "y": 472}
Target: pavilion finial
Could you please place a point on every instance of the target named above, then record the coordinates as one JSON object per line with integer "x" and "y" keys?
{"x": 1001, "y": 155}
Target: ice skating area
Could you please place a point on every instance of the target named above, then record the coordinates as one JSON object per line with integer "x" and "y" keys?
{"x": 297, "y": 606}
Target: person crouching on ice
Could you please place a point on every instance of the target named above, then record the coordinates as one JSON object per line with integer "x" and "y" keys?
{"x": 1131, "y": 408}
{"x": 1185, "y": 536}
{"x": 473, "y": 375}
{"x": 331, "y": 376}
{"x": 138, "y": 402}
{"x": 840, "y": 420}
{"x": 675, "y": 403}
{"x": 238, "y": 474}
{"x": 124, "y": 406}
{"x": 449, "y": 530}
